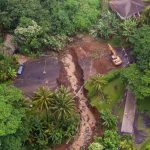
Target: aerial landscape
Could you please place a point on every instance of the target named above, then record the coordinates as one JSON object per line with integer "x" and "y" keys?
{"x": 74, "y": 74}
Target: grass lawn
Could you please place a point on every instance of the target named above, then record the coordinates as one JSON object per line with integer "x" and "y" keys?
{"x": 140, "y": 126}
{"x": 146, "y": 145}
{"x": 114, "y": 90}
{"x": 117, "y": 41}
{"x": 144, "y": 106}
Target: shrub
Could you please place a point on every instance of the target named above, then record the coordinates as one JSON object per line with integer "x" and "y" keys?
{"x": 126, "y": 143}
{"x": 8, "y": 66}
{"x": 109, "y": 120}
{"x": 128, "y": 28}
{"x": 95, "y": 146}
{"x": 13, "y": 130}
{"x": 61, "y": 121}
{"x": 141, "y": 45}
{"x": 111, "y": 140}
{"x": 28, "y": 35}
{"x": 107, "y": 25}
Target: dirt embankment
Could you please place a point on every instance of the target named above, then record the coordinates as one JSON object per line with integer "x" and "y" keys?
{"x": 84, "y": 58}
{"x": 88, "y": 121}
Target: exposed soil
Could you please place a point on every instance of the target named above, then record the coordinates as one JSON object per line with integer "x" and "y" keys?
{"x": 93, "y": 55}
{"x": 87, "y": 122}
{"x": 82, "y": 59}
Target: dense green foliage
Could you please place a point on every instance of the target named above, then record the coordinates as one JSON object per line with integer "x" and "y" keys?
{"x": 53, "y": 118}
{"x": 7, "y": 68}
{"x": 110, "y": 140}
{"x": 95, "y": 146}
{"x": 107, "y": 25}
{"x": 11, "y": 111}
{"x": 128, "y": 28}
{"x": 108, "y": 119}
{"x": 102, "y": 99}
{"x": 138, "y": 75}
{"x": 12, "y": 130}
{"x": 141, "y": 45}
{"x": 138, "y": 81}
{"x": 20, "y": 124}
{"x": 46, "y": 23}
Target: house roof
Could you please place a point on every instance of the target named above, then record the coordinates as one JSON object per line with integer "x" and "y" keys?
{"x": 126, "y": 8}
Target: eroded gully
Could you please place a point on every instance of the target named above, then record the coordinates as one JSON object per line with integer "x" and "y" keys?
{"x": 72, "y": 73}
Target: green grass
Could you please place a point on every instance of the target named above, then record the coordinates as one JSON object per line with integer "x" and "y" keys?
{"x": 117, "y": 41}
{"x": 140, "y": 126}
{"x": 144, "y": 106}
{"x": 145, "y": 144}
{"x": 114, "y": 90}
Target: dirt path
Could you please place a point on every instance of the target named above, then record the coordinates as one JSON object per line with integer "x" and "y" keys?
{"x": 88, "y": 121}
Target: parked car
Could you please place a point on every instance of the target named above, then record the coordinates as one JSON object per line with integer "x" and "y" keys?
{"x": 20, "y": 69}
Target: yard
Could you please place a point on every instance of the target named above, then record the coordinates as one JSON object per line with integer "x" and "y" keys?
{"x": 114, "y": 90}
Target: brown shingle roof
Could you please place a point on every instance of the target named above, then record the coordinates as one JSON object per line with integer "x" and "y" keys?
{"x": 126, "y": 8}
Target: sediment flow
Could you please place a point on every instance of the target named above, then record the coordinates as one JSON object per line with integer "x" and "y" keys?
{"x": 87, "y": 122}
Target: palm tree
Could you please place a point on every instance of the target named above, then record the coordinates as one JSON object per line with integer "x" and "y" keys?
{"x": 98, "y": 83}
{"x": 62, "y": 106}
{"x": 42, "y": 99}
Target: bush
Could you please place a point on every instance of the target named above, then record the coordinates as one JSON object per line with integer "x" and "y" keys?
{"x": 28, "y": 35}
{"x": 112, "y": 75}
{"x": 126, "y": 143}
{"x": 128, "y": 28}
{"x": 13, "y": 131}
{"x": 95, "y": 146}
{"x": 54, "y": 18}
{"x": 111, "y": 140}
{"x": 107, "y": 25}
{"x": 57, "y": 121}
{"x": 8, "y": 66}
{"x": 141, "y": 45}
{"x": 109, "y": 120}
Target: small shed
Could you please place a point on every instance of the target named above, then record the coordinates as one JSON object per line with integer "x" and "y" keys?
{"x": 126, "y": 8}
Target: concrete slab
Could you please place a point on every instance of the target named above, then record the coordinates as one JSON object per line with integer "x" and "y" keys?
{"x": 129, "y": 113}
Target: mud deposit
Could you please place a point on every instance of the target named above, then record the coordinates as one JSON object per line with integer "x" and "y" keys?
{"x": 82, "y": 59}
{"x": 93, "y": 55}
{"x": 87, "y": 122}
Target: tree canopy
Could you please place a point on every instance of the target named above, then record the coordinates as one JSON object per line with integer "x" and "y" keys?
{"x": 55, "y": 18}
{"x": 11, "y": 111}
